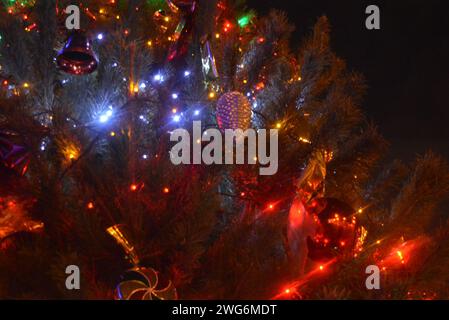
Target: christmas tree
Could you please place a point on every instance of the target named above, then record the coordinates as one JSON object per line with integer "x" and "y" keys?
{"x": 87, "y": 177}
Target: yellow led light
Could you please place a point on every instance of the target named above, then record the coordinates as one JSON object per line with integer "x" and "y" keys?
{"x": 304, "y": 140}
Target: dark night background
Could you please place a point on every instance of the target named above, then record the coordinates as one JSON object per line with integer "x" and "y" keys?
{"x": 406, "y": 63}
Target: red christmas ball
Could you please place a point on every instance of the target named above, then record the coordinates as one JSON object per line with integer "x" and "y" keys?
{"x": 337, "y": 230}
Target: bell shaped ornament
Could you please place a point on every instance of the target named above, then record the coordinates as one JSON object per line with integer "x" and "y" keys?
{"x": 77, "y": 57}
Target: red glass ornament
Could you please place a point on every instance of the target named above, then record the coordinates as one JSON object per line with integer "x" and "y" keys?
{"x": 336, "y": 232}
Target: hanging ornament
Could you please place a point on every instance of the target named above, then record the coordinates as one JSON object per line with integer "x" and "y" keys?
{"x": 301, "y": 224}
{"x": 336, "y": 230}
{"x": 233, "y": 111}
{"x": 77, "y": 57}
{"x": 139, "y": 283}
{"x": 182, "y": 6}
{"x": 119, "y": 234}
{"x": 208, "y": 60}
{"x": 311, "y": 183}
{"x": 14, "y": 157}
{"x": 144, "y": 284}
{"x": 184, "y": 29}
{"x": 181, "y": 39}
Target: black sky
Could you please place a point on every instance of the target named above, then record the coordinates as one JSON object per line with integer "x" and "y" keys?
{"x": 406, "y": 63}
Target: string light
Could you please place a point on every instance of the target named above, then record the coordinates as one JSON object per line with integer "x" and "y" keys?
{"x": 304, "y": 140}
{"x": 227, "y": 26}
{"x": 90, "y": 205}
{"x": 401, "y": 256}
{"x": 245, "y": 20}
{"x": 106, "y": 115}
{"x": 159, "y": 78}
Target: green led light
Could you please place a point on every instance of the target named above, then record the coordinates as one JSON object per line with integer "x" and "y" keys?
{"x": 245, "y": 20}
